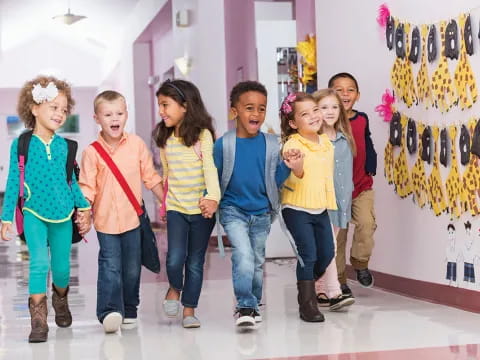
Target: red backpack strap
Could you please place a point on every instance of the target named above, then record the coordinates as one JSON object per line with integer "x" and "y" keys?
{"x": 118, "y": 175}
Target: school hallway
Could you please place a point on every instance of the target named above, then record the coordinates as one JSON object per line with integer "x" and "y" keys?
{"x": 380, "y": 325}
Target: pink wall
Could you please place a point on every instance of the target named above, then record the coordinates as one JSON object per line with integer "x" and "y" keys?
{"x": 305, "y": 16}
{"x": 240, "y": 41}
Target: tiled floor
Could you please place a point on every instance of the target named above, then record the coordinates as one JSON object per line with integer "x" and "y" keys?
{"x": 379, "y": 326}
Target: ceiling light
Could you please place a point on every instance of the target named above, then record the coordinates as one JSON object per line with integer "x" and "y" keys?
{"x": 69, "y": 18}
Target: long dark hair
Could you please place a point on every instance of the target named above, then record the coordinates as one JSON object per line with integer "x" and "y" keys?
{"x": 196, "y": 117}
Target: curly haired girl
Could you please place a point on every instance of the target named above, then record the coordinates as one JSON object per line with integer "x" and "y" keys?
{"x": 44, "y": 104}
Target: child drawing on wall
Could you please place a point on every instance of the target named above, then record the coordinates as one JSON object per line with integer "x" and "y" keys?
{"x": 469, "y": 256}
{"x": 451, "y": 257}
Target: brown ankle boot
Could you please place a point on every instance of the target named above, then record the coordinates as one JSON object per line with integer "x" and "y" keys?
{"x": 63, "y": 316}
{"x": 38, "y": 314}
{"x": 307, "y": 301}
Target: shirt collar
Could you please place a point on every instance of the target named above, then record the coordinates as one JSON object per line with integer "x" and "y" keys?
{"x": 111, "y": 149}
{"x": 322, "y": 146}
{"x": 43, "y": 142}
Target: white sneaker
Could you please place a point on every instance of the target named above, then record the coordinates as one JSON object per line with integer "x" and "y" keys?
{"x": 245, "y": 317}
{"x": 112, "y": 322}
{"x": 129, "y": 324}
{"x": 257, "y": 316}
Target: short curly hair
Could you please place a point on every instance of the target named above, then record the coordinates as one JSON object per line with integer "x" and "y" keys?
{"x": 243, "y": 87}
{"x": 26, "y": 102}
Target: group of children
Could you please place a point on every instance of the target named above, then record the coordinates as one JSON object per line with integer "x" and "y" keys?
{"x": 316, "y": 178}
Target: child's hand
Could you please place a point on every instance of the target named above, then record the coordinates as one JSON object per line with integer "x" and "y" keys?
{"x": 83, "y": 221}
{"x": 208, "y": 207}
{"x": 294, "y": 160}
{"x": 7, "y": 233}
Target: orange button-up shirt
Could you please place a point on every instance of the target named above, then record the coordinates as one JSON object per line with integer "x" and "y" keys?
{"x": 112, "y": 211}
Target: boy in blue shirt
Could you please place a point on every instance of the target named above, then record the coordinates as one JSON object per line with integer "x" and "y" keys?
{"x": 250, "y": 170}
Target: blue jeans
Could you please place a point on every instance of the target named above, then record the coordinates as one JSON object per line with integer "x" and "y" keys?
{"x": 188, "y": 237}
{"x": 119, "y": 267}
{"x": 247, "y": 234}
{"x": 314, "y": 240}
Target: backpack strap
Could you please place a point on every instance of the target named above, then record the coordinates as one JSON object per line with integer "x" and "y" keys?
{"x": 71, "y": 163}
{"x": 22, "y": 153}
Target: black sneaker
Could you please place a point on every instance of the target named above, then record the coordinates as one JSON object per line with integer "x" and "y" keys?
{"x": 257, "y": 316}
{"x": 365, "y": 278}
{"x": 245, "y": 317}
{"x": 323, "y": 300}
{"x": 341, "y": 301}
{"x": 346, "y": 290}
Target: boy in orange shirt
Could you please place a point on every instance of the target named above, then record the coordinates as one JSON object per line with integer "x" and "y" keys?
{"x": 115, "y": 219}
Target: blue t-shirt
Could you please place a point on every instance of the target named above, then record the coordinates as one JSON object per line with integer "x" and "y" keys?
{"x": 246, "y": 189}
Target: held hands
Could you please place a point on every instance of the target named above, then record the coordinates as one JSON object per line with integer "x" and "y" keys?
{"x": 294, "y": 160}
{"x": 83, "y": 221}
{"x": 7, "y": 231}
{"x": 208, "y": 207}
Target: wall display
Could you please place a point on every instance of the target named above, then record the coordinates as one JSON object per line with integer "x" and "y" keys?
{"x": 456, "y": 44}
{"x": 453, "y": 184}
{"x": 443, "y": 90}
{"x": 432, "y": 144}
{"x": 465, "y": 83}
{"x": 424, "y": 89}
{"x": 411, "y": 137}
{"x": 401, "y": 75}
{"x": 419, "y": 179}
{"x": 436, "y": 196}
{"x": 401, "y": 176}
{"x": 471, "y": 180}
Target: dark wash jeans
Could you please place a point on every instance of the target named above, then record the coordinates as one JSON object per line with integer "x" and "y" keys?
{"x": 188, "y": 237}
{"x": 314, "y": 240}
{"x": 119, "y": 267}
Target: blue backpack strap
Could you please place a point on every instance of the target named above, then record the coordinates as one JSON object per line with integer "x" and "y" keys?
{"x": 228, "y": 151}
{"x": 229, "y": 145}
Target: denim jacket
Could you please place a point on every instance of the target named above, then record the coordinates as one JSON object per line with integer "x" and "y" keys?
{"x": 343, "y": 181}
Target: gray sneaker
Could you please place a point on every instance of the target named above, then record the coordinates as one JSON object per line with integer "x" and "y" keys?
{"x": 190, "y": 322}
{"x": 171, "y": 307}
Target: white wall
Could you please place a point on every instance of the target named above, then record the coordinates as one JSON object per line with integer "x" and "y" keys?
{"x": 410, "y": 242}
{"x": 49, "y": 56}
{"x": 204, "y": 42}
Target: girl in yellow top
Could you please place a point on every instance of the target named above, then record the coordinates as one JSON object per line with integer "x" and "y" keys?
{"x": 306, "y": 196}
{"x": 185, "y": 137}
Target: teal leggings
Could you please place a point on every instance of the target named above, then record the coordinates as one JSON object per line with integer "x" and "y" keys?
{"x": 42, "y": 235}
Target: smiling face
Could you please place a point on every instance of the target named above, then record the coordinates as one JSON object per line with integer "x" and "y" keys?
{"x": 51, "y": 115}
{"x": 171, "y": 112}
{"x": 307, "y": 119}
{"x": 250, "y": 110}
{"x": 329, "y": 110}
{"x": 112, "y": 116}
{"x": 348, "y": 92}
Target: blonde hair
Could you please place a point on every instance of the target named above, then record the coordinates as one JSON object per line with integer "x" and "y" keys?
{"x": 343, "y": 123}
{"x": 26, "y": 102}
{"x": 107, "y": 95}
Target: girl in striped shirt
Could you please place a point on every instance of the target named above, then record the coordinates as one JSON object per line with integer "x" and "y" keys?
{"x": 185, "y": 137}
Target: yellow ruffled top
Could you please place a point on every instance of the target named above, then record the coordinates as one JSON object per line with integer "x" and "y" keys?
{"x": 315, "y": 190}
